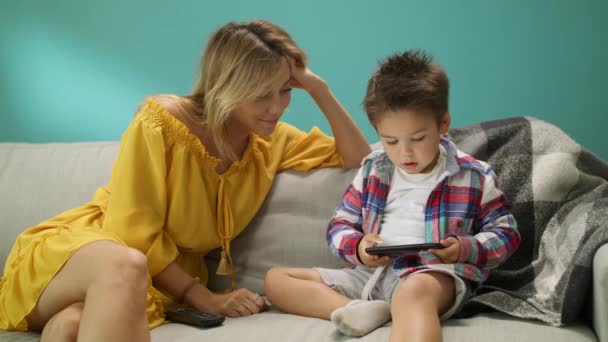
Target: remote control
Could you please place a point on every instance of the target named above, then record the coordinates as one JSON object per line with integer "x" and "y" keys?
{"x": 194, "y": 317}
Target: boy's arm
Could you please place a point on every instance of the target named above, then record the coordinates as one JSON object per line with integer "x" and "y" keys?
{"x": 344, "y": 231}
{"x": 498, "y": 237}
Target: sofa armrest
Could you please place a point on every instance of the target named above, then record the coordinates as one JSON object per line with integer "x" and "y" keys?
{"x": 600, "y": 293}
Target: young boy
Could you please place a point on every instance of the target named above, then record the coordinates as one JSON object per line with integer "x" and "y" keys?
{"x": 419, "y": 189}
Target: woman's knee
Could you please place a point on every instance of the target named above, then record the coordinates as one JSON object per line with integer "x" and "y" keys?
{"x": 114, "y": 267}
{"x": 108, "y": 259}
{"x": 126, "y": 266}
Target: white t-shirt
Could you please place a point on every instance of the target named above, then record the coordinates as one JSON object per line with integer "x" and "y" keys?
{"x": 403, "y": 218}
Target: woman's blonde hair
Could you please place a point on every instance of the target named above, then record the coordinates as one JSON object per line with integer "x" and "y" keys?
{"x": 238, "y": 64}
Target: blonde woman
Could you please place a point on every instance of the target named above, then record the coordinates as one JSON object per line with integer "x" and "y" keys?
{"x": 191, "y": 173}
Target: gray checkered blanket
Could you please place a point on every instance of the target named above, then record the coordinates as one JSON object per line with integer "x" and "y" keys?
{"x": 559, "y": 196}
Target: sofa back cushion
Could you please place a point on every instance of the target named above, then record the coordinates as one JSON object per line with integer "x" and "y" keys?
{"x": 289, "y": 230}
{"x": 39, "y": 181}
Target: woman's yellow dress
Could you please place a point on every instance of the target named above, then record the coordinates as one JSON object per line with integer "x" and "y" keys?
{"x": 165, "y": 199}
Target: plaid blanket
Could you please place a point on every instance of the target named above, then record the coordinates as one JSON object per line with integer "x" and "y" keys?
{"x": 559, "y": 194}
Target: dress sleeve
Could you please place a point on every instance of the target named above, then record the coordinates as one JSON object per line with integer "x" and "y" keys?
{"x": 137, "y": 203}
{"x": 306, "y": 151}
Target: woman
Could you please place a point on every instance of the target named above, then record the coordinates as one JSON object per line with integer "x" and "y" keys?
{"x": 191, "y": 173}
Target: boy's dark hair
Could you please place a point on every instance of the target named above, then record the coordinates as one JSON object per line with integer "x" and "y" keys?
{"x": 408, "y": 80}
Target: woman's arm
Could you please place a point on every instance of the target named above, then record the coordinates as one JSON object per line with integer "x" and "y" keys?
{"x": 181, "y": 286}
{"x": 351, "y": 143}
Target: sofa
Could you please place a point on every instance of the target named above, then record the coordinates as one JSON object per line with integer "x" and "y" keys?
{"x": 38, "y": 181}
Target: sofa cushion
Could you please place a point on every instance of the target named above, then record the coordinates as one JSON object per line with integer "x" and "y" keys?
{"x": 39, "y": 181}
{"x": 276, "y": 326}
{"x": 287, "y": 231}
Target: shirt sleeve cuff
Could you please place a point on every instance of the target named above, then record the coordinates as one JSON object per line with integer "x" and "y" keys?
{"x": 357, "y": 251}
{"x": 352, "y": 256}
{"x": 468, "y": 247}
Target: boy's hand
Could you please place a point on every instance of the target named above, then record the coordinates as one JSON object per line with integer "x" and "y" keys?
{"x": 451, "y": 251}
{"x": 370, "y": 240}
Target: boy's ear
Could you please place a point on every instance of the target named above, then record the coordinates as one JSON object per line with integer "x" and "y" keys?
{"x": 444, "y": 125}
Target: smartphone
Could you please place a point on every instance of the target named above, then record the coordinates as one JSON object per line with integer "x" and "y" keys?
{"x": 194, "y": 317}
{"x": 397, "y": 250}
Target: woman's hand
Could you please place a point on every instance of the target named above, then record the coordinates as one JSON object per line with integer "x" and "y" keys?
{"x": 351, "y": 143}
{"x": 238, "y": 303}
{"x": 451, "y": 251}
{"x": 370, "y": 240}
{"x": 303, "y": 78}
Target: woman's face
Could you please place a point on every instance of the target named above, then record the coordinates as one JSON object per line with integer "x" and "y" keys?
{"x": 262, "y": 114}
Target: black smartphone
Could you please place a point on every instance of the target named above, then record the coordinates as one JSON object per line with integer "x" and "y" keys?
{"x": 397, "y": 250}
{"x": 194, "y": 317}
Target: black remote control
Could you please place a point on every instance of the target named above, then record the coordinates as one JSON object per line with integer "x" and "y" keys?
{"x": 194, "y": 317}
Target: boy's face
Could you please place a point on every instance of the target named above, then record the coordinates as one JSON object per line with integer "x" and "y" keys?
{"x": 411, "y": 138}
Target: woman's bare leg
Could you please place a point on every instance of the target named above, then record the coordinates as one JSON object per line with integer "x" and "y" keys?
{"x": 418, "y": 303}
{"x": 63, "y": 327}
{"x": 111, "y": 280}
{"x": 301, "y": 291}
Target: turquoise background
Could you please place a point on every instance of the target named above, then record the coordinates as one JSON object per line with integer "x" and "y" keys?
{"x": 74, "y": 70}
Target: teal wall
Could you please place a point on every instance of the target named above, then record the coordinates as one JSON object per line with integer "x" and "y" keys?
{"x": 74, "y": 70}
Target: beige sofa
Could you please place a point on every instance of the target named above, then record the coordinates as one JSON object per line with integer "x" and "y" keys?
{"x": 38, "y": 181}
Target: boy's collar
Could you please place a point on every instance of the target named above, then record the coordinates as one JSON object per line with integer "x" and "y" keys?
{"x": 452, "y": 163}
{"x": 457, "y": 159}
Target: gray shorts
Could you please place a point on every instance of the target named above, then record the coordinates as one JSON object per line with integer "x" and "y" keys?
{"x": 351, "y": 281}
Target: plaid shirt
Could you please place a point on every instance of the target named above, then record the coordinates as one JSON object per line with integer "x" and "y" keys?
{"x": 466, "y": 204}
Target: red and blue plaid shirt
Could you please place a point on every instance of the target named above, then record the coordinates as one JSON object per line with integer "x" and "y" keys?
{"x": 466, "y": 204}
